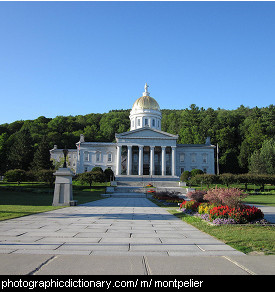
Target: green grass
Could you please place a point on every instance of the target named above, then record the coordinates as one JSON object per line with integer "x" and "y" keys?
{"x": 15, "y": 204}
{"x": 268, "y": 200}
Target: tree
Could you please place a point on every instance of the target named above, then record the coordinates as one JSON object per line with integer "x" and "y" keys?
{"x": 42, "y": 157}
{"x": 45, "y": 175}
{"x": 91, "y": 176}
{"x": 20, "y": 155}
{"x": 263, "y": 161}
{"x": 3, "y": 153}
{"x": 268, "y": 155}
{"x": 185, "y": 176}
{"x": 109, "y": 174}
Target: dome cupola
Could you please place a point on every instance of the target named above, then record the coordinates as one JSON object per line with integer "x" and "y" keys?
{"x": 145, "y": 112}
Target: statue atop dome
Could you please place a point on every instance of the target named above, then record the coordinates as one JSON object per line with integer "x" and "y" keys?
{"x": 146, "y": 93}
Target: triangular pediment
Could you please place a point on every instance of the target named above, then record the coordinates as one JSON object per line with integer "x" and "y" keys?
{"x": 146, "y": 133}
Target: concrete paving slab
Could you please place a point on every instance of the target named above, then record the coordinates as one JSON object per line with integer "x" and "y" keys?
{"x": 19, "y": 264}
{"x": 164, "y": 247}
{"x": 31, "y": 246}
{"x": 189, "y": 265}
{"x": 260, "y": 264}
{"x": 94, "y": 265}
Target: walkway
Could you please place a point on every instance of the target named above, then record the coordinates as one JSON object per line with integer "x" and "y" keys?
{"x": 141, "y": 237}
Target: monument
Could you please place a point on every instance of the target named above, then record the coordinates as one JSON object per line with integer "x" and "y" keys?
{"x": 63, "y": 191}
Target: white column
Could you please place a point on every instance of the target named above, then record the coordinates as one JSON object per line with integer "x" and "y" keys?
{"x": 173, "y": 160}
{"x": 163, "y": 160}
{"x": 140, "y": 160}
{"x": 118, "y": 160}
{"x": 152, "y": 160}
{"x": 129, "y": 160}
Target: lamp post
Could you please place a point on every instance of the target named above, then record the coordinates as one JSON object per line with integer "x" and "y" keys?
{"x": 65, "y": 152}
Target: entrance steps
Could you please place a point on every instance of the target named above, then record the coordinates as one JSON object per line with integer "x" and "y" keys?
{"x": 124, "y": 195}
{"x": 146, "y": 178}
{"x": 137, "y": 184}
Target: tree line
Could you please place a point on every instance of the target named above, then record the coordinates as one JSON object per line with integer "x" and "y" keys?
{"x": 245, "y": 135}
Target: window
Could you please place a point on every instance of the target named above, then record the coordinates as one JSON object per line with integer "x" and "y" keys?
{"x": 97, "y": 157}
{"x": 133, "y": 124}
{"x": 139, "y": 122}
{"x": 182, "y": 157}
{"x": 146, "y": 122}
{"x": 153, "y": 122}
{"x": 86, "y": 156}
{"x": 158, "y": 124}
{"x": 109, "y": 157}
{"x": 181, "y": 169}
{"x": 204, "y": 158}
{"x": 193, "y": 157}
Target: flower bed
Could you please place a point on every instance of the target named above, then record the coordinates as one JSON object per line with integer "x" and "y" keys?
{"x": 217, "y": 212}
{"x": 167, "y": 198}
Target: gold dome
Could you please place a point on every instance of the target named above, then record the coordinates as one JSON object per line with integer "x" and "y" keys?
{"x": 146, "y": 102}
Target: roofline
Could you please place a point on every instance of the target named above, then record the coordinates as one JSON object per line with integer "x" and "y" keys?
{"x": 145, "y": 128}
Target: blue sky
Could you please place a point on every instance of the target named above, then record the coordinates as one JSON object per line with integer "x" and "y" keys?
{"x": 71, "y": 58}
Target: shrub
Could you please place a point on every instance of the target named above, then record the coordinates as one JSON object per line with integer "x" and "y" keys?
{"x": 231, "y": 196}
{"x": 15, "y": 175}
{"x": 197, "y": 195}
{"x": 91, "y": 176}
{"x": 165, "y": 195}
{"x": 212, "y": 196}
{"x": 185, "y": 176}
{"x": 45, "y": 175}
{"x": 195, "y": 172}
{"x": 227, "y": 178}
{"x": 109, "y": 174}
{"x": 96, "y": 169}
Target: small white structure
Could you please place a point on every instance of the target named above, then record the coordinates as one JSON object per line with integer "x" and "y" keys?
{"x": 63, "y": 191}
{"x": 144, "y": 151}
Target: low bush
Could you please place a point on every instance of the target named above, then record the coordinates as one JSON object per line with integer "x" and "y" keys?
{"x": 231, "y": 197}
{"x": 15, "y": 175}
{"x": 197, "y": 195}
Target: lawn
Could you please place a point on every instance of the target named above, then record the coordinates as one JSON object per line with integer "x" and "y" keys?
{"x": 21, "y": 203}
{"x": 265, "y": 199}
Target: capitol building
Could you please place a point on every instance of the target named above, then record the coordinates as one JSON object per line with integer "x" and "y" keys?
{"x": 144, "y": 151}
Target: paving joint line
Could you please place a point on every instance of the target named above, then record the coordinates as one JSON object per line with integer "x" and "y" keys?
{"x": 33, "y": 272}
{"x": 240, "y": 266}
{"x": 146, "y": 266}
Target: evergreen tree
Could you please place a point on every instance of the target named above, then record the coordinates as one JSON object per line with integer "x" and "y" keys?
{"x": 42, "y": 156}
{"x": 20, "y": 154}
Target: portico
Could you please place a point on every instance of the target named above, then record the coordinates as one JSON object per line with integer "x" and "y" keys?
{"x": 146, "y": 151}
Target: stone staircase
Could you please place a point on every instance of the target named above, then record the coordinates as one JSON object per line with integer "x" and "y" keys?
{"x": 136, "y": 186}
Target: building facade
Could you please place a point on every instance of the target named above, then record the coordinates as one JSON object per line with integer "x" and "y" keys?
{"x": 145, "y": 150}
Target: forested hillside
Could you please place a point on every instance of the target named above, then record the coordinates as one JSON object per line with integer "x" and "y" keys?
{"x": 239, "y": 133}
